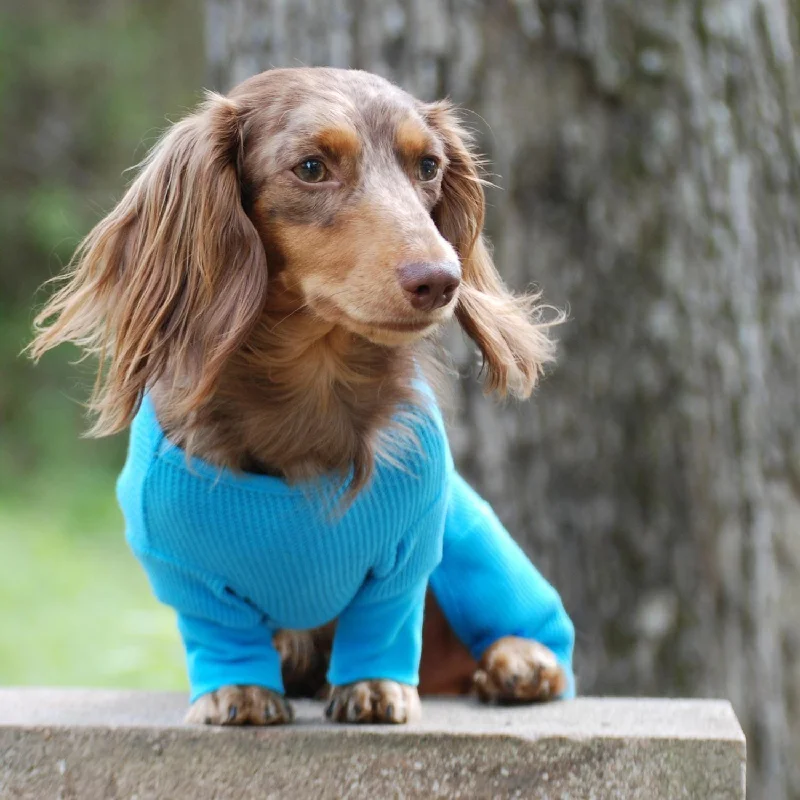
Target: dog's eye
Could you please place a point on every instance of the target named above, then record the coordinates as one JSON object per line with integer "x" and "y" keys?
{"x": 428, "y": 168}
{"x": 311, "y": 171}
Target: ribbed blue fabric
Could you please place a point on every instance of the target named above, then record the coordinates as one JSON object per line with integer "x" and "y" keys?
{"x": 240, "y": 556}
{"x": 488, "y": 588}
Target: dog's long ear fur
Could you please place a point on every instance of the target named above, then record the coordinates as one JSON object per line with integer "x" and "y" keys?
{"x": 172, "y": 280}
{"x": 509, "y": 330}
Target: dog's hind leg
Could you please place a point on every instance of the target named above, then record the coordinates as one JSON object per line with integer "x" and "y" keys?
{"x": 305, "y": 656}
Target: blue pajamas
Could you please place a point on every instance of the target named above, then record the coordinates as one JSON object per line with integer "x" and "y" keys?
{"x": 239, "y": 556}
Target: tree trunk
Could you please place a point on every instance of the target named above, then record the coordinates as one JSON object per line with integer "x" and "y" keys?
{"x": 648, "y": 154}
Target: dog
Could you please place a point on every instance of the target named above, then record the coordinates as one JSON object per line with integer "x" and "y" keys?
{"x": 261, "y": 303}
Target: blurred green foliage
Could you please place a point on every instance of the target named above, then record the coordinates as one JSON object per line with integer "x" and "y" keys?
{"x": 85, "y": 89}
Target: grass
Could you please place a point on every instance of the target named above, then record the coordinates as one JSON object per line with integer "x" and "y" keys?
{"x": 75, "y": 607}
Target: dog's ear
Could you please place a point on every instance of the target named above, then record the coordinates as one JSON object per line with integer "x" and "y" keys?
{"x": 508, "y": 330}
{"x": 172, "y": 280}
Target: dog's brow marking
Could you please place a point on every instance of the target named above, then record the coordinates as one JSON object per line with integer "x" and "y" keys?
{"x": 411, "y": 138}
{"x": 339, "y": 140}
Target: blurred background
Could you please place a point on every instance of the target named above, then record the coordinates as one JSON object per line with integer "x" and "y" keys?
{"x": 648, "y": 163}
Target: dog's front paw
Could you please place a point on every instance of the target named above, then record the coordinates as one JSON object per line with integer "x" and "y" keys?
{"x": 374, "y": 701}
{"x": 515, "y": 670}
{"x": 240, "y": 705}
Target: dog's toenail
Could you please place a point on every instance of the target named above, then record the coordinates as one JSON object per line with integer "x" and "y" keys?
{"x": 232, "y": 712}
{"x": 208, "y": 721}
{"x": 329, "y": 709}
{"x": 390, "y": 711}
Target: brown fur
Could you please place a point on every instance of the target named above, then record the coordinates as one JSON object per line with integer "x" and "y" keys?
{"x": 374, "y": 701}
{"x": 515, "y": 670}
{"x": 240, "y": 705}
{"x": 446, "y": 667}
{"x": 278, "y": 340}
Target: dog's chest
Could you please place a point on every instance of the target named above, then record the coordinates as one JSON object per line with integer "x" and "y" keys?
{"x": 296, "y": 565}
{"x": 288, "y": 552}
{"x": 255, "y": 541}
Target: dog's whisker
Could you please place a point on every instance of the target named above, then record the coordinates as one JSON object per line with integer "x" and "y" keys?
{"x": 290, "y": 314}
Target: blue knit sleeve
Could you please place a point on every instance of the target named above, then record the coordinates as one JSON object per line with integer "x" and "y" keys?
{"x": 379, "y": 634}
{"x": 488, "y": 588}
{"x": 226, "y": 639}
{"x": 379, "y": 639}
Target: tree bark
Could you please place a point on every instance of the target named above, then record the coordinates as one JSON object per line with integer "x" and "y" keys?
{"x": 648, "y": 156}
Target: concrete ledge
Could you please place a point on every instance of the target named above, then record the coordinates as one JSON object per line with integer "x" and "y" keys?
{"x": 107, "y": 745}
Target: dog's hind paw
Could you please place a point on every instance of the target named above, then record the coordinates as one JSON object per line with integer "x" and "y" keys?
{"x": 240, "y": 705}
{"x": 515, "y": 670}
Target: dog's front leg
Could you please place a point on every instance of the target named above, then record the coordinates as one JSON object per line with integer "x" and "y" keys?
{"x": 305, "y": 656}
{"x": 499, "y": 605}
{"x": 235, "y": 674}
{"x": 375, "y": 660}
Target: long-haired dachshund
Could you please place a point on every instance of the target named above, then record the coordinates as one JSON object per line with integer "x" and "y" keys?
{"x": 259, "y": 303}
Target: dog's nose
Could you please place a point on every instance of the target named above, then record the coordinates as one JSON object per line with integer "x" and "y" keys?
{"x": 429, "y": 285}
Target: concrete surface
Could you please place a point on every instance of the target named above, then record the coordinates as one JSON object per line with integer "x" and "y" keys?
{"x": 108, "y": 745}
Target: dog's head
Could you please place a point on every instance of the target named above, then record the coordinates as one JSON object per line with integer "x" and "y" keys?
{"x": 332, "y": 185}
{"x": 343, "y": 171}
